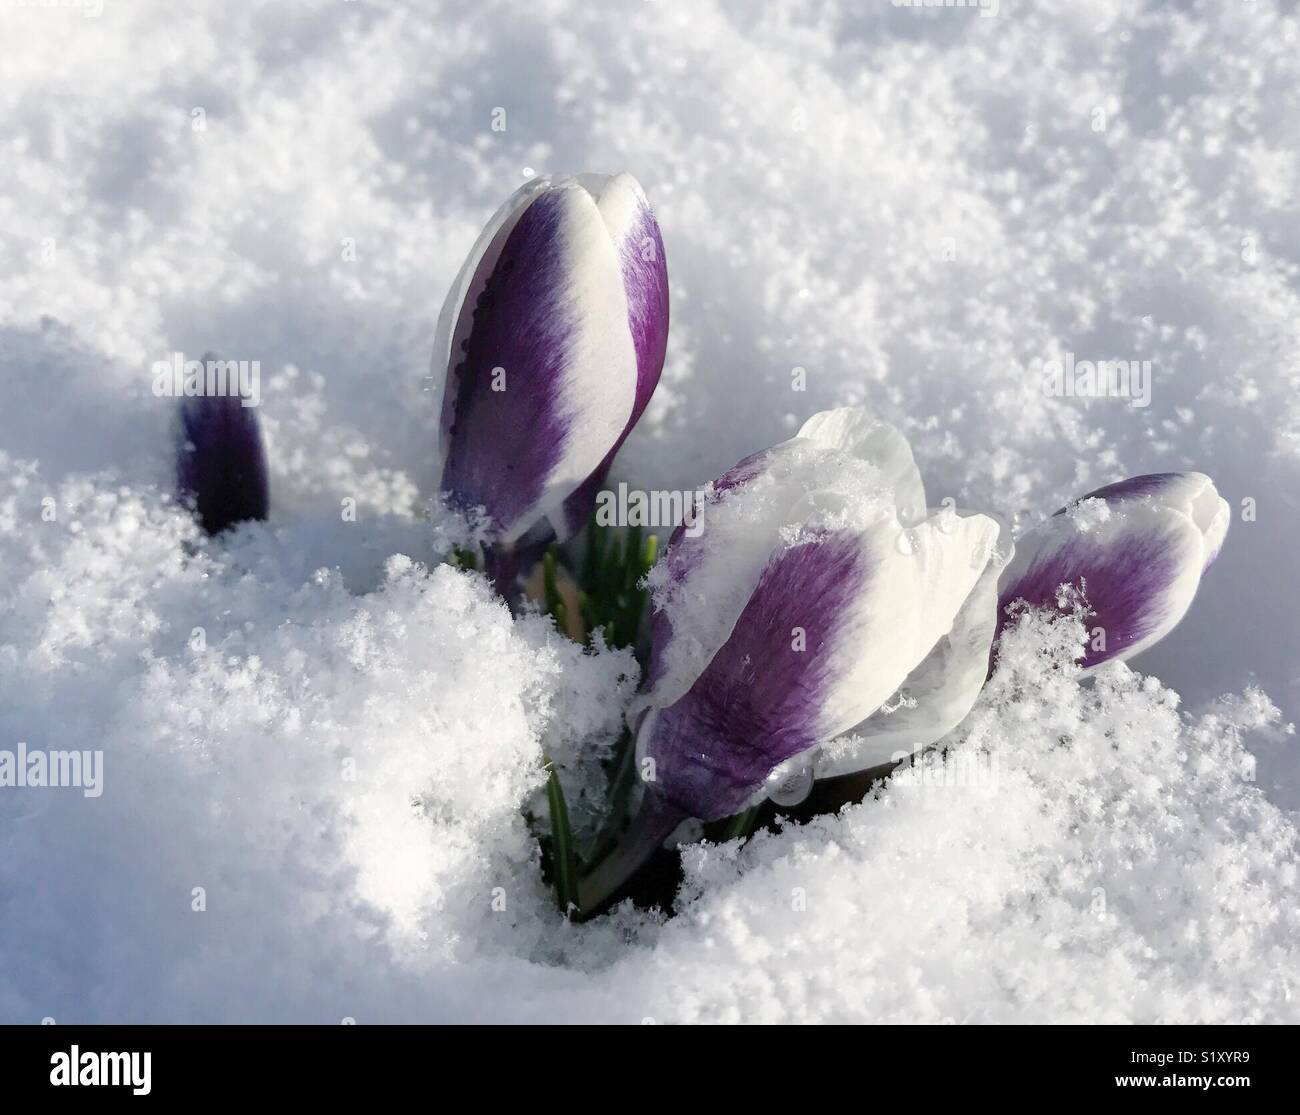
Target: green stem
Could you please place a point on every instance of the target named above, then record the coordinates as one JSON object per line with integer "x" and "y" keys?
{"x": 651, "y": 826}
{"x": 618, "y": 793}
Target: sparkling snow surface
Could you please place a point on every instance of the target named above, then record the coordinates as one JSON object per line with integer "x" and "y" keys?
{"x": 336, "y": 739}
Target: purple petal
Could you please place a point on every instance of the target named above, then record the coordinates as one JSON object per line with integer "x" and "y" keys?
{"x": 1192, "y": 493}
{"x": 221, "y": 461}
{"x": 453, "y": 323}
{"x": 554, "y": 354}
{"x": 760, "y": 700}
{"x": 1134, "y": 487}
{"x": 1125, "y": 586}
{"x": 503, "y": 444}
{"x": 683, "y": 553}
{"x": 1135, "y": 550}
{"x": 645, "y": 282}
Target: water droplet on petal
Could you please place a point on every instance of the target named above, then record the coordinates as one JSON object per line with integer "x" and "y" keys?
{"x": 794, "y": 786}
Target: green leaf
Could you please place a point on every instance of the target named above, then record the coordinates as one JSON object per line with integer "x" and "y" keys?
{"x": 593, "y": 558}
{"x": 632, "y": 559}
{"x": 466, "y": 560}
{"x": 740, "y": 825}
{"x": 620, "y": 771}
{"x": 590, "y": 620}
{"x": 554, "y": 603}
{"x": 650, "y": 554}
{"x": 551, "y": 593}
{"x": 563, "y": 860}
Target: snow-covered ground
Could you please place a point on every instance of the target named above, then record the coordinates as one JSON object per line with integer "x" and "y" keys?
{"x": 318, "y": 743}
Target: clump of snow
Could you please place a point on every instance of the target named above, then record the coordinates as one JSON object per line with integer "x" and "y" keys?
{"x": 289, "y": 769}
{"x": 892, "y": 202}
{"x": 1088, "y": 514}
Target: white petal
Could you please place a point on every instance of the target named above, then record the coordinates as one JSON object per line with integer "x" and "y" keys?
{"x": 599, "y": 386}
{"x": 910, "y": 604}
{"x": 856, "y": 432}
{"x": 937, "y": 695}
{"x": 1195, "y": 495}
{"x": 622, "y": 204}
{"x": 841, "y": 460}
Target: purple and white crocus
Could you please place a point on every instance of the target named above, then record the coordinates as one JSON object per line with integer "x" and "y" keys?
{"x": 824, "y": 622}
{"x": 548, "y": 348}
{"x": 819, "y": 586}
{"x": 1134, "y": 551}
{"x": 221, "y": 461}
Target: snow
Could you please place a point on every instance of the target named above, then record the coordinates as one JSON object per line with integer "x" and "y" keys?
{"x": 1104, "y": 866}
{"x": 918, "y": 207}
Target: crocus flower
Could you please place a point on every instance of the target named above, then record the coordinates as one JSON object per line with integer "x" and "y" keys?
{"x": 1135, "y": 551}
{"x": 549, "y": 347}
{"x": 221, "y": 461}
{"x": 816, "y": 587}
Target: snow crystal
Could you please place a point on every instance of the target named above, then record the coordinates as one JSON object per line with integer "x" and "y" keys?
{"x": 1088, "y": 514}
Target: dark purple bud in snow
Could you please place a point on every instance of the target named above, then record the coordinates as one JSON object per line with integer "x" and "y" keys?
{"x": 221, "y": 461}
{"x": 1135, "y": 550}
{"x": 549, "y": 347}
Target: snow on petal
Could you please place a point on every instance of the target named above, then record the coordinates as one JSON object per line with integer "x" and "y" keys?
{"x": 1134, "y": 550}
{"x": 858, "y": 433}
{"x": 706, "y": 575}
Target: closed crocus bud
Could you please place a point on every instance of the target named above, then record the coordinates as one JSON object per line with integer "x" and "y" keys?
{"x": 549, "y": 347}
{"x": 1134, "y": 551}
{"x": 221, "y": 461}
{"x": 815, "y": 587}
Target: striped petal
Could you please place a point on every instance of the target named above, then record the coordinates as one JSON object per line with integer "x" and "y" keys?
{"x": 552, "y": 339}
{"x": 704, "y": 580}
{"x": 833, "y": 626}
{"x": 635, "y": 234}
{"x": 1134, "y": 550}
